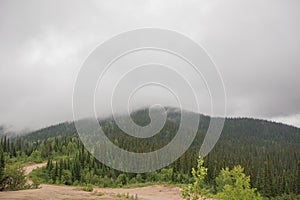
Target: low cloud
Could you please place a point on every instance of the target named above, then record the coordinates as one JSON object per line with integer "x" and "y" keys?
{"x": 255, "y": 44}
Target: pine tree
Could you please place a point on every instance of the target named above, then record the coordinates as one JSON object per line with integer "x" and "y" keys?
{"x": 60, "y": 169}
{"x": 2, "y": 166}
{"x": 55, "y": 173}
{"x": 267, "y": 185}
{"x": 4, "y": 144}
{"x": 298, "y": 179}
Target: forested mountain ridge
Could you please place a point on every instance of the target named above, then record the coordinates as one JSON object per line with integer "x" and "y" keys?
{"x": 269, "y": 152}
{"x": 235, "y": 129}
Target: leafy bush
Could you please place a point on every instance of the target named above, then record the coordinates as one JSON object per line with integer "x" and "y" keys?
{"x": 35, "y": 157}
{"x": 235, "y": 184}
{"x": 106, "y": 182}
{"x": 88, "y": 188}
{"x": 39, "y": 176}
{"x": 166, "y": 174}
{"x": 14, "y": 178}
{"x": 122, "y": 179}
{"x": 231, "y": 184}
{"x": 66, "y": 177}
{"x": 119, "y": 195}
{"x": 100, "y": 194}
{"x": 192, "y": 191}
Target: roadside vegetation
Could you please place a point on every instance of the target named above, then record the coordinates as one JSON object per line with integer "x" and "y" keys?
{"x": 12, "y": 177}
{"x": 231, "y": 184}
{"x": 252, "y": 160}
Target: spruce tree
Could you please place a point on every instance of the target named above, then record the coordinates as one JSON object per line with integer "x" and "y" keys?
{"x": 298, "y": 179}
{"x": 2, "y": 166}
{"x": 267, "y": 185}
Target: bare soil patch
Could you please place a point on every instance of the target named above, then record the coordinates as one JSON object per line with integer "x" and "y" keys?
{"x": 70, "y": 192}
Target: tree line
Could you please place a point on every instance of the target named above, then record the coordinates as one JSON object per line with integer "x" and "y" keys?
{"x": 268, "y": 152}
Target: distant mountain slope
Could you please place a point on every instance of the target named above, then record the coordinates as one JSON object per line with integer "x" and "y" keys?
{"x": 63, "y": 129}
{"x": 234, "y": 128}
{"x": 269, "y": 152}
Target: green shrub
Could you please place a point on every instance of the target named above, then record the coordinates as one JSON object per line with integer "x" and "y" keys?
{"x": 166, "y": 175}
{"x": 100, "y": 194}
{"x": 66, "y": 177}
{"x": 120, "y": 195}
{"x": 122, "y": 179}
{"x": 14, "y": 178}
{"x": 88, "y": 188}
{"x": 194, "y": 190}
{"x": 39, "y": 176}
{"x": 35, "y": 156}
{"x": 234, "y": 184}
{"x": 106, "y": 182}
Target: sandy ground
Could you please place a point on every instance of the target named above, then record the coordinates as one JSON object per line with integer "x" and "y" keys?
{"x": 157, "y": 192}
{"x": 70, "y": 192}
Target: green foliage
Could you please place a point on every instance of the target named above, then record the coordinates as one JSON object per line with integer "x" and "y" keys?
{"x": 231, "y": 184}
{"x": 224, "y": 178}
{"x": 166, "y": 175}
{"x": 267, "y": 181}
{"x": 119, "y": 195}
{"x": 106, "y": 182}
{"x": 139, "y": 178}
{"x": 66, "y": 177}
{"x": 194, "y": 190}
{"x": 286, "y": 197}
{"x": 127, "y": 196}
{"x": 298, "y": 179}
{"x": 245, "y": 142}
{"x": 14, "y": 178}
{"x": 88, "y": 188}
{"x": 2, "y": 167}
{"x": 122, "y": 180}
{"x": 101, "y": 194}
{"x": 36, "y": 156}
{"x": 235, "y": 185}
{"x": 39, "y": 176}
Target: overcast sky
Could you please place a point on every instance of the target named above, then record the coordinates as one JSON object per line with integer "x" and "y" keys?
{"x": 255, "y": 44}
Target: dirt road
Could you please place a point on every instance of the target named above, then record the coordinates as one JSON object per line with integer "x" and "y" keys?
{"x": 156, "y": 192}
{"x": 69, "y": 192}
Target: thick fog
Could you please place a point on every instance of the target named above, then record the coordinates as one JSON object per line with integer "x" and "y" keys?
{"x": 255, "y": 45}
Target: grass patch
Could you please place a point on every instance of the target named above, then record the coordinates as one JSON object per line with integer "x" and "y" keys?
{"x": 38, "y": 176}
{"x": 100, "y": 194}
{"x": 127, "y": 196}
{"x": 138, "y": 185}
{"x": 88, "y": 188}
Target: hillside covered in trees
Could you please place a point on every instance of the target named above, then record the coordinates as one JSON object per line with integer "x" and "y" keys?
{"x": 268, "y": 152}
